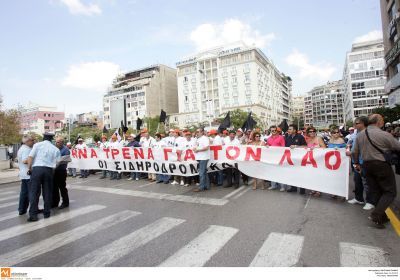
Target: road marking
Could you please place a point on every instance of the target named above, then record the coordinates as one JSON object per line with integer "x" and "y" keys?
{"x": 233, "y": 192}
{"x": 357, "y": 255}
{"x": 28, "y": 227}
{"x": 202, "y": 248}
{"x": 142, "y": 186}
{"x": 160, "y": 196}
{"x": 308, "y": 200}
{"x": 10, "y": 192}
{"x": 119, "y": 248}
{"x": 84, "y": 181}
{"x": 279, "y": 250}
{"x": 240, "y": 194}
{"x": 9, "y": 197}
{"x": 8, "y": 204}
{"x": 50, "y": 243}
{"x": 393, "y": 220}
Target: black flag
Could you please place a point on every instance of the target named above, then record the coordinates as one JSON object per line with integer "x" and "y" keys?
{"x": 249, "y": 124}
{"x": 284, "y": 126}
{"x": 138, "y": 123}
{"x": 225, "y": 123}
{"x": 163, "y": 116}
{"x": 123, "y": 127}
{"x": 105, "y": 130}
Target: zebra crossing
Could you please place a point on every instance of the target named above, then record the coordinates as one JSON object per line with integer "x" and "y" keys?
{"x": 277, "y": 249}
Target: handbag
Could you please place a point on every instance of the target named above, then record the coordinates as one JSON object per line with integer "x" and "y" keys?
{"x": 388, "y": 155}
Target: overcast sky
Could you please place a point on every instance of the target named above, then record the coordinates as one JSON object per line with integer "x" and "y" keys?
{"x": 65, "y": 53}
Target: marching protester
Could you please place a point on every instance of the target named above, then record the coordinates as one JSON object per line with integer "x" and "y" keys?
{"x": 360, "y": 182}
{"x": 294, "y": 140}
{"x": 232, "y": 173}
{"x": 276, "y": 140}
{"x": 216, "y": 177}
{"x": 41, "y": 163}
{"x": 314, "y": 141}
{"x": 132, "y": 143}
{"x": 60, "y": 176}
{"x": 81, "y": 146}
{"x": 146, "y": 141}
{"x": 202, "y": 151}
{"x": 104, "y": 145}
{"x": 375, "y": 147}
{"x": 22, "y": 156}
{"x": 159, "y": 143}
{"x": 115, "y": 144}
{"x": 71, "y": 171}
{"x": 256, "y": 141}
{"x": 335, "y": 140}
{"x": 189, "y": 143}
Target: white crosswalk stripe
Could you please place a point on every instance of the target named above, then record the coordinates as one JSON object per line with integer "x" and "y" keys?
{"x": 7, "y": 193}
{"x": 202, "y": 248}
{"x": 49, "y": 244}
{"x": 119, "y": 248}
{"x": 5, "y": 205}
{"x": 357, "y": 255}
{"x": 9, "y": 197}
{"x": 9, "y": 215}
{"x": 28, "y": 227}
{"x": 279, "y": 250}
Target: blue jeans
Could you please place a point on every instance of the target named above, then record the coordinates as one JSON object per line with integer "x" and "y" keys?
{"x": 162, "y": 178}
{"x": 275, "y": 185}
{"x": 72, "y": 172}
{"x": 24, "y": 196}
{"x": 135, "y": 175}
{"x": 41, "y": 181}
{"x": 204, "y": 180}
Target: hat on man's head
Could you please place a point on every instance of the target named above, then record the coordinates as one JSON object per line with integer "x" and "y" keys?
{"x": 212, "y": 132}
{"x": 80, "y": 139}
{"x": 240, "y": 130}
{"x": 187, "y": 132}
{"x": 48, "y": 136}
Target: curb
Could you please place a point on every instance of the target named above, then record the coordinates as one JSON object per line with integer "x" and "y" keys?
{"x": 394, "y": 220}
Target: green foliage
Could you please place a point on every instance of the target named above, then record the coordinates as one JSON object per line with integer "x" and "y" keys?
{"x": 298, "y": 122}
{"x": 86, "y": 132}
{"x": 10, "y": 127}
{"x": 389, "y": 114}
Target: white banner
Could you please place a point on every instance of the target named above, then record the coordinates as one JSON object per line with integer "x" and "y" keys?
{"x": 324, "y": 170}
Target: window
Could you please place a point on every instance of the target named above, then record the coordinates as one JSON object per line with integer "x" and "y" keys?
{"x": 234, "y": 80}
{"x": 186, "y": 99}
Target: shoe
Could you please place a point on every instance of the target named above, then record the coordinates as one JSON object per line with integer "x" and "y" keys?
{"x": 186, "y": 185}
{"x": 46, "y": 216}
{"x": 174, "y": 183}
{"x": 166, "y": 182}
{"x": 272, "y": 188}
{"x": 355, "y": 201}
{"x": 32, "y": 219}
{"x": 130, "y": 179}
{"x": 228, "y": 186}
{"x": 102, "y": 177}
{"x": 159, "y": 182}
{"x": 22, "y": 213}
{"x": 182, "y": 183}
{"x": 282, "y": 189}
{"x": 376, "y": 224}
{"x": 368, "y": 206}
{"x": 197, "y": 184}
{"x": 73, "y": 176}
{"x": 292, "y": 190}
{"x": 137, "y": 179}
{"x": 40, "y": 211}
{"x": 62, "y": 206}
{"x": 198, "y": 190}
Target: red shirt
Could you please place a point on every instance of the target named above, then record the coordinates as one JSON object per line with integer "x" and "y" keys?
{"x": 276, "y": 141}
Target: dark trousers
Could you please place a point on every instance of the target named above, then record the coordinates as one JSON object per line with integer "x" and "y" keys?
{"x": 382, "y": 187}
{"x": 359, "y": 187}
{"x": 41, "y": 181}
{"x": 232, "y": 176}
{"x": 24, "y": 196}
{"x": 60, "y": 186}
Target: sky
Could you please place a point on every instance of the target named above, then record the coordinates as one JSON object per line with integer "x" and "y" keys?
{"x": 65, "y": 53}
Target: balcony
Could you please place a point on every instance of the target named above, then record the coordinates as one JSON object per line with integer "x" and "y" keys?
{"x": 393, "y": 83}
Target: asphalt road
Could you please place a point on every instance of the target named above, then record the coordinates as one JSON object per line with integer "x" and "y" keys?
{"x": 138, "y": 223}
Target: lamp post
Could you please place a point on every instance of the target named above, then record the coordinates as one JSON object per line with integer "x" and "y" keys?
{"x": 206, "y": 83}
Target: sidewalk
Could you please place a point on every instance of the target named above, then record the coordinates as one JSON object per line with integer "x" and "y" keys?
{"x": 9, "y": 176}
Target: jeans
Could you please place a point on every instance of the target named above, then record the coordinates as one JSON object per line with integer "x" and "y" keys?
{"x": 41, "y": 181}
{"x": 275, "y": 185}
{"x": 233, "y": 177}
{"x": 72, "y": 172}
{"x": 204, "y": 180}
{"x": 115, "y": 175}
{"x": 24, "y": 196}
{"x": 162, "y": 178}
{"x": 84, "y": 173}
{"x": 360, "y": 185}
{"x": 134, "y": 175}
{"x": 60, "y": 186}
{"x": 104, "y": 173}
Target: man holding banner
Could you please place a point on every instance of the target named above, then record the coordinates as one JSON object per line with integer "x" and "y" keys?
{"x": 202, "y": 150}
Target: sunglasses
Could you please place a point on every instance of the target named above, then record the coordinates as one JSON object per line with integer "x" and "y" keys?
{"x": 357, "y": 123}
{"x": 335, "y": 132}
{"x": 273, "y": 130}
{"x": 312, "y": 131}
{"x": 257, "y": 136}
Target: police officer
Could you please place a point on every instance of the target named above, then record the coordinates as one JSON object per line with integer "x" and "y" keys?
{"x": 41, "y": 163}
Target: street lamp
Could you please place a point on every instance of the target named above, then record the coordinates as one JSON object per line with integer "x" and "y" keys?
{"x": 207, "y": 100}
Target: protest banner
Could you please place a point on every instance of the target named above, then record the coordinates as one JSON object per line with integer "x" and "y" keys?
{"x": 324, "y": 170}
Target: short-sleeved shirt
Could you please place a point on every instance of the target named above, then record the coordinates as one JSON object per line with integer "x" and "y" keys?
{"x": 44, "y": 154}
{"x": 23, "y": 154}
{"x": 234, "y": 142}
{"x": 201, "y": 143}
{"x": 297, "y": 140}
{"x": 276, "y": 141}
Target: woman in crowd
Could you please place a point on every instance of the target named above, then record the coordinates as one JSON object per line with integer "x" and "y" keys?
{"x": 336, "y": 141}
{"x": 256, "y": 141}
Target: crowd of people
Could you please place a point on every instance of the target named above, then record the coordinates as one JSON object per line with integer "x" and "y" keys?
{"x": 375, "y": 187}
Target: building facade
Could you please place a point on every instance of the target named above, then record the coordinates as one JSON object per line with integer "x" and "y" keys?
{"x": 41, "y": 119}
{"x": 90, "y": 119}
{"x": 364, "y": 80}
{"x": 390, "y": 14}
{"x": 144, "y": 92}
{"x": 298, "y": 107}
{"x": 230, "y": 77}
{"x": 323, "y": 105}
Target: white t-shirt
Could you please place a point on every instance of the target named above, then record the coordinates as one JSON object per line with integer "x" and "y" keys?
{"x": 179, "y": 142}
{"x": 234, "y": 142}
{"x": 115, "y": 145}
{"x": 217, "y": 140}
{"x": 185, "y": 145}
{"x": 201, "y": 143}
{"x": 169, "y": 141}
{"x": 146, "y": 143}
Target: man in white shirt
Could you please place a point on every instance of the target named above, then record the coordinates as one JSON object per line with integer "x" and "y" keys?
{"x": 22, "y": 157}
{"x": 178, "y": 140}
{"x": 232, "y": 173}
{"x": 217, "y": 177}
{"x": 114, "y": 144}
{"x": 80, "y": 146}
{"x": 202, "y": 150}
{"x": 146, "y": 141}
{"x": 188, "y": 144}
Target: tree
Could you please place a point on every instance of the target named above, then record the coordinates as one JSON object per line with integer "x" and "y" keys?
{"x": 389, "y": 114}
{"x": 10, "y": 127}
{"x": 238, "y": 117}
{"x": 298, "y": 121}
